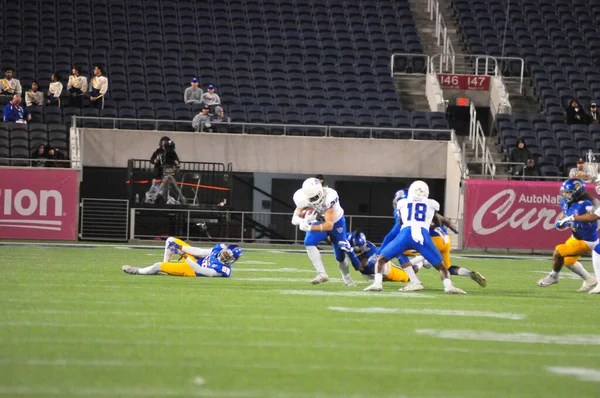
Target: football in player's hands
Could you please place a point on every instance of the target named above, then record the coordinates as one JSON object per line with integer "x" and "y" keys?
{"x": 307, "y": 212}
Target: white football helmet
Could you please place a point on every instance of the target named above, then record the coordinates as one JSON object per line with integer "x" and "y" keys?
{"x": 313, "y": 190}
{"x": 418, "y": 189}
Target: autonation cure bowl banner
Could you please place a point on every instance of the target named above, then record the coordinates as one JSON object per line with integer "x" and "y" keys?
{"x": 38, "y": 204}
{"x": 513, "y": 214}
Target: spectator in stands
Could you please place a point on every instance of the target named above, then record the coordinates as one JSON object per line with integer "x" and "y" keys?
{"x": 77, "y": 87}
{"x": 55, "y": 90}
{"x": 15, "y": 112}
{"x": 98, "y": 87}
{"x": 531, "y": 171}
{"x": 193, "y": 94}
{"x": 575, "y": 113}
{"x": 9, "y": 86}
{"x": 583, "y": 171}
{"x": 56, "y": 154}
{"x": 34, "y": 97}
{"x": 520, "y": 154}
{"x": 201, "y": 121}
{"x": 210, "y": 98}
{"x": 217, "y": 119}
{"x": 594, "y": 116}
{"x": 321, "y": 179}
{"x": 40, "y": 156}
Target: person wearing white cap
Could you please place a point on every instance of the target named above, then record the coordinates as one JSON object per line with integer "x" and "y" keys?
{"x": 193, "y": 94}
{"x": 594, "y": 116}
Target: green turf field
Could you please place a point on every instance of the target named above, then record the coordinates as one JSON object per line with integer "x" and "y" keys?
{"x": 72, "y": 324}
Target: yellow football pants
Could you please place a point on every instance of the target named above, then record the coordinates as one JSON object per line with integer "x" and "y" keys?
{"x": 396, "y": 274}
{"x": 178, "y": 268}
{"x": 443, "y": 244}
{"x": 572, "y": 250}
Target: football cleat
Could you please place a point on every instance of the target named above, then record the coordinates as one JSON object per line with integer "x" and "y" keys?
{"x": 320, "y": 278}
{"x": 547, "y": 281}
{"x": 412, "y": 287}
{"x": 586, "y": 286}
{"x": 375, "y": 287}
{"x": 454, "y": 290}
{"x": 595, "y": 290}
{"x": 348, "y": 280}
{"x": 130, "y": 270}
{"x": 478, "y": 278}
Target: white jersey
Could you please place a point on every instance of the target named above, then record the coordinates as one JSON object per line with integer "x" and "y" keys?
{"x": 332, "y": 201}
{"x": 417, "y": 212}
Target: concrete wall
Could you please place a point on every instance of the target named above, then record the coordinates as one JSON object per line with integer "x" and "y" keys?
{"x": 274, "y": 154}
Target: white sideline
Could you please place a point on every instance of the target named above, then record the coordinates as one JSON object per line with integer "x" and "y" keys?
{"x": 378, "y": 310}
{"x": 530, "y": 338}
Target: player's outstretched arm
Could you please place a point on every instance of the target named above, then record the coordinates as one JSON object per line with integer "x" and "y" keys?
{"x": 445, "y": 221}
{"x": 196, "y": 251}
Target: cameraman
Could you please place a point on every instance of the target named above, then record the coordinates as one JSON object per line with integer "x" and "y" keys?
{"x": 164, "y": 155}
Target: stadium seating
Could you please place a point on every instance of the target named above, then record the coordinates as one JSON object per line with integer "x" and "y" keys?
{"x": 559, "y": 41}
{"x": 328, "y": 57}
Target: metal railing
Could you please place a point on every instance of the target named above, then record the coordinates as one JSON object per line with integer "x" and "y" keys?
{"x": 274, "y": 129}
{"x": 441, "y": 31}
{"x": 31, "y": 162}
{"x": 479, "y": 144}
{"x": 238, "y": 226}
{"x": 465, "y": 64}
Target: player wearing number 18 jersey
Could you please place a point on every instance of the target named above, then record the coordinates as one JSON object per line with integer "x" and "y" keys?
{"x": 416, "y": 213}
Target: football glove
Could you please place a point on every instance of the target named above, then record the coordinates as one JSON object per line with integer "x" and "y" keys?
{"x": 565, "y": 222}
{"x": 175, "y": 248}
{"x": 305, "y": 226}
{"x": 344, "y": 245}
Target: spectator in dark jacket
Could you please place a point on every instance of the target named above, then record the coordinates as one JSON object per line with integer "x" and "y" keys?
{"x": 594, "y": 116}
{"x": 531, "y": 171}
{"x": 40, "y": 156}
{"x": 520, "y": 154}
{"x": 575, "y": 113}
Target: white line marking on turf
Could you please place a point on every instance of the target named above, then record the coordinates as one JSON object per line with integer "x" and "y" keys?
{"x": 534, "y": 338}
{"x": 352, "y": 294}
{"x": 274, "y": 344}
{"x": 292, "y": 270}
{"x": 584, "y": 374}
{"x": 379, "y": 310}
{"x": 199, "y": 381}
{"x": 254, "y": 262}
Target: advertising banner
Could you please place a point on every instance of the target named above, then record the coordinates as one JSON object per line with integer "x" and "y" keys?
{"x": 513, "y": 214}
{"x": 39, "y": 203}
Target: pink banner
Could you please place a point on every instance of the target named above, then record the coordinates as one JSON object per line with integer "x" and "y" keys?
{"x": 39, "y": 203}
{"x": 513, "y": 214}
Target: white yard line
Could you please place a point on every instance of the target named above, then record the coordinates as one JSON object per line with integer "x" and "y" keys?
{"x": 354, "y": 293}
{"x": 584, "y": 374}
{"x": 400, "y": 311}
{"x": 528, "y": 338}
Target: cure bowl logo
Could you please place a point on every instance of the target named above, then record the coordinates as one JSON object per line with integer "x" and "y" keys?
{"x": 500, "y": 211}
{"x": 28, "y": 209}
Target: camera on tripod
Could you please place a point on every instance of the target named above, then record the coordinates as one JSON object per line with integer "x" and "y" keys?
{"x": 169, "y": 160}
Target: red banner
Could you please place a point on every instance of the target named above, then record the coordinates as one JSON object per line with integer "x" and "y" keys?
{"x": 39, "y": 203}
{"x": 513, "y": 214}
{"x": 464, "y": 82}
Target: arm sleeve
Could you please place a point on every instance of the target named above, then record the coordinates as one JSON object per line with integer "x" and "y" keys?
{"x": 196, "y": 251}
{"x": 5, "y": 113}
{"x": 196, "y": 122}
{"x": 390, "y": 236}
{"x": 354, "y": 260}
{"x": 218, "y": 100}
{"x": 186, "y": 95}
{"x": 204, "y": 271}
{"x": 69, "y": 85}
{"x": 296, "y": 219}
{"x": 84, "y": 85}
{"x": 104, "y": 87}
{"x": 18, "y": 88}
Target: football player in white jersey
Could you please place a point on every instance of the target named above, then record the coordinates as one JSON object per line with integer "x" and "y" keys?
{"x": 416, "y": 213}
{"x": 326, "y": 220}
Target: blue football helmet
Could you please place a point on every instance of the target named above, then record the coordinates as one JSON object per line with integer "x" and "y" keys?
{"x": 230, "y": 254}
{"x": 572, "y": 189}
{"x": 400, "y": 194}
{"x": 358, "y": 241}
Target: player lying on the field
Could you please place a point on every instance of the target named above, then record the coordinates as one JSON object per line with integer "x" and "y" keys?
{"x": 584, "y": 239}
{"x": 364, "y": 255}
{"x": 212, "y": 262}
{"x": 319, "y": 214}
{"x": 416, "y": 212}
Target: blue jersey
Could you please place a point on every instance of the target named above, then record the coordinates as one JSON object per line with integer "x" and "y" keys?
{"x": 438, "y": 231}
{"x": 212, "y": 261}
{"x": 586, "y": 231}
{"x": 356, "y": 258}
